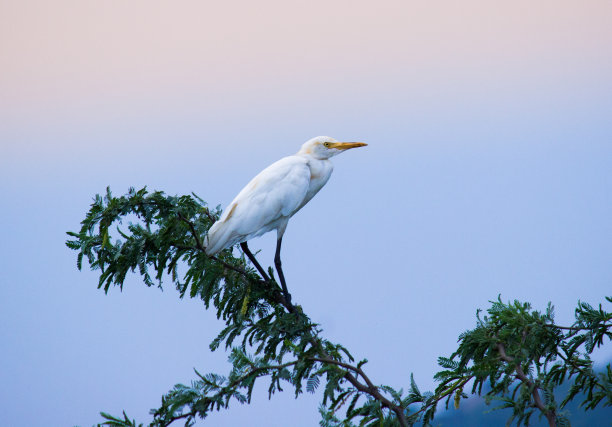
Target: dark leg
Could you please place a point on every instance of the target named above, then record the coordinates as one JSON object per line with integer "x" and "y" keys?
{"x": 253, "y": 260}
{"x": 279, "y": 269}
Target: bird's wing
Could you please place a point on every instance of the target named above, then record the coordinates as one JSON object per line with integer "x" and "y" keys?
{"x": 276, "y": 192}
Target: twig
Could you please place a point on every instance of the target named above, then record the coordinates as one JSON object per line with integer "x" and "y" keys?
{"x": 228, "y": 388}
{"x": 520, "y": 374}
{"x": 574, "y": 328}
{"x": 192, "y": 413}
{"x": 368, "y": 388}
{"x": 458, "y": 385}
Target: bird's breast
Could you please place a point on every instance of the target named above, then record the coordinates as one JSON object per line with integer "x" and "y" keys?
{"x": 320, "y": 171}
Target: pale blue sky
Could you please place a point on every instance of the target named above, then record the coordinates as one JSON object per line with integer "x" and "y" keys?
{"x": 480, "y": 178}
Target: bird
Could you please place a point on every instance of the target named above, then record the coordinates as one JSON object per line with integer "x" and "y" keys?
{"x": 272, "y": 197}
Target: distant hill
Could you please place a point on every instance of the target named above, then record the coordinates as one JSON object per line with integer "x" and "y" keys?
{"x": 473, "y": 412}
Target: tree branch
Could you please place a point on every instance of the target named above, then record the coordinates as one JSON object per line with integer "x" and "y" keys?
{"x": 520, "y": 374}
{"x": 574, "y": 328}
{"x": 457, "y": 386}
{"x": 191, "y": 413}
{"x": 228, "y": 389}
{"x": 369, "y": 388}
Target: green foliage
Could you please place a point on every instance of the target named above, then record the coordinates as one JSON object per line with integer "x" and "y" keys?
{"x": 518, "y": 353}
{"x": 118, "y": 422}
{"x": 521, "y": 356}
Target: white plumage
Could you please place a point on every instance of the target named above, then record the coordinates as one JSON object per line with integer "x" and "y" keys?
{"x": 268, "y": 201}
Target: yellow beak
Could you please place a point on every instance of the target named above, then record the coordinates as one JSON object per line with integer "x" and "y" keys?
{"x": 346, "y": 145}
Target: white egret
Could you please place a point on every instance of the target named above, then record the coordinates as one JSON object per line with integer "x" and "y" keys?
{"x": 268, "y": 201}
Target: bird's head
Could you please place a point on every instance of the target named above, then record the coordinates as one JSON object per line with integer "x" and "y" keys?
{"x": 324, "y": 147}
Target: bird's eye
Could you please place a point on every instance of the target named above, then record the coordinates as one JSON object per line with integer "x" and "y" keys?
{"x": 326, "y": 144}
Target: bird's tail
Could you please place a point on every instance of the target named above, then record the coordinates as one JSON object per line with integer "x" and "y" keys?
{"x": 218, "y": 238}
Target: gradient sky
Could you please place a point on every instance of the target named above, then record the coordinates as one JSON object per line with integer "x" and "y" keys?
{"x": 488, "y": 172}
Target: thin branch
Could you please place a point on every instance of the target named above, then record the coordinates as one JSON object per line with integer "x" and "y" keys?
{"x": 229, "y": 388}
{"x": 358, "y": 371}
{"x": 191, "y": 413}
{"x": 368, "y": 388}
{"x": 259, "y": 369}
{"x": 520, "y": 374}
{"x": 457, "y": 386}
{"x": 341, "y": 404}
{"x": 220, "y": 261}
{"x": 574, "y": 328}
{"x": 194, "y": 232}
{"x": 209, "y": 215}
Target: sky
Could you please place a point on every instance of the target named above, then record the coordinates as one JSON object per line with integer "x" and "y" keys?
{"x": 488, "y": 172}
